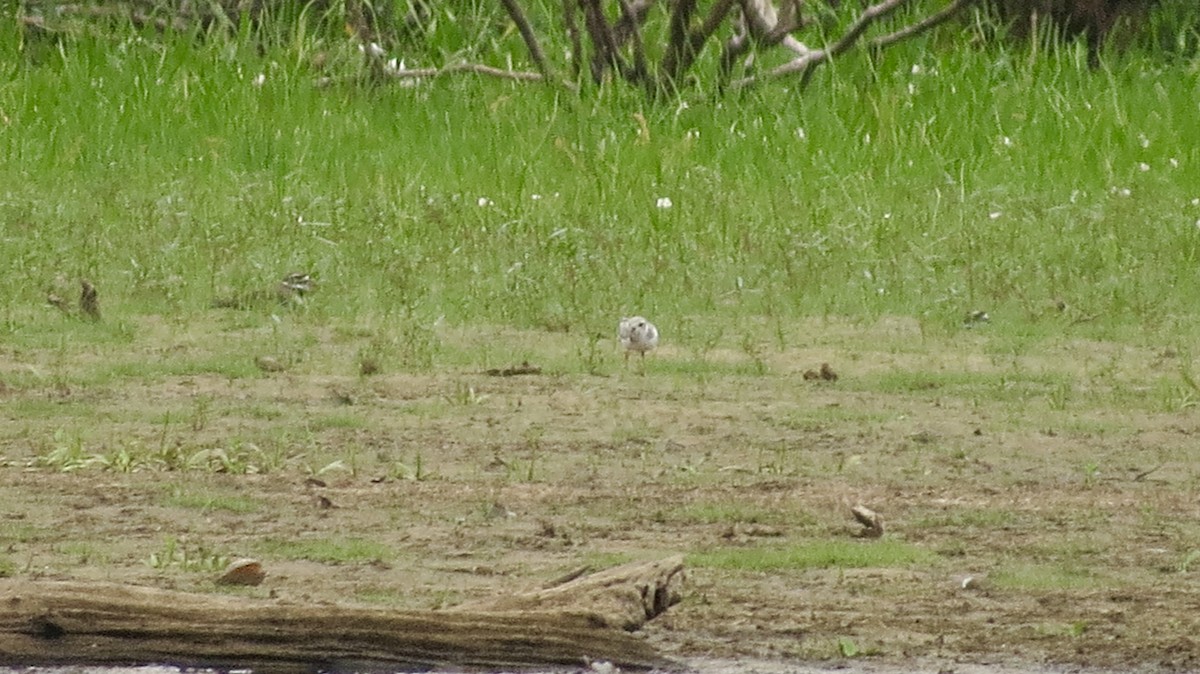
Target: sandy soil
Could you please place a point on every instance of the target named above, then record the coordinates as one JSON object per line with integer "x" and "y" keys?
{"x": 1061, "y": 527}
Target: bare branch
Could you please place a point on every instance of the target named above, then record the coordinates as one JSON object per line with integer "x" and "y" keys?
{"x": 716, "y": 16}
{"x": 787, "y": 22}
{"x": 624, "y": 27}
{"x": 685, "y": 45}
{"x": 806, "y": 64}
{"x": 602, "y": 40}
{"x": 573, "y": 35}
{"x": 641, "y": 72}
{"x": 935, "y": 19}
{"x": 531, "y": 42}
{"x": 761, "y": 23}
{"x": 679, "y": 45}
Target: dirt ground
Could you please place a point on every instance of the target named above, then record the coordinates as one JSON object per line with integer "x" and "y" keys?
{"x": 1051, "y": 492}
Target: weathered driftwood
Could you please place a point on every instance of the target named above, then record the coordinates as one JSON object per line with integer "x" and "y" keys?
{"x": 72, "y": 623}
{"x": 624, "y": 597}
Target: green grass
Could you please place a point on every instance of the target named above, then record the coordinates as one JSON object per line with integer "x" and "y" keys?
{"x": 734, "y": 513}
{"x": 816, "y": 554}
{"x": 926, "y": 194}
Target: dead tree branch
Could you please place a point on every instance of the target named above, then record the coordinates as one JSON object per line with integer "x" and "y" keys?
{"x": 604, "y": 44}
{"x": 936, "y": 19}
{"x": 678, "y": 44}
{"x": 641, "y": 71}
{"x": 759, "y": 23}
{"x": 531, "y": 42}
{"x": 573, "y": 35}
{"x": 685, "y": 45}
{"x": 624, "y": 27}
{"x": 805, "y": 65}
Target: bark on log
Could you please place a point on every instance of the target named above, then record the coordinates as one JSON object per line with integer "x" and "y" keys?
{"x": 623, "y": 597}
{"x": 72, "y": 623}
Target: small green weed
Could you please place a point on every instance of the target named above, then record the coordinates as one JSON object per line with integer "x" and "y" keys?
{"x": 847, "y": 648}
{"x": 176, "y": 554}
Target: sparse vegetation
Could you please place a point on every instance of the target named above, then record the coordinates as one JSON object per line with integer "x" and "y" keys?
{"x": 817, "y": 554}
{"x": 459, "y": 226}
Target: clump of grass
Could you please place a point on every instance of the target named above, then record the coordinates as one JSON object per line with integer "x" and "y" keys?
{"x": 732, "y": 513}
{"x": 177, "y": 554}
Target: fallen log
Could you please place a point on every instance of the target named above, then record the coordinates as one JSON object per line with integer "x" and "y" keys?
{"x": 76, "y": 623}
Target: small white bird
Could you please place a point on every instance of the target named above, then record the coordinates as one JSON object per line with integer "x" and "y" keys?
{"x": 637, "y": 334}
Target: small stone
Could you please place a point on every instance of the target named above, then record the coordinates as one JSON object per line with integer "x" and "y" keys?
{"x": 870, "y": 520}
{"x": 243, "y": 572}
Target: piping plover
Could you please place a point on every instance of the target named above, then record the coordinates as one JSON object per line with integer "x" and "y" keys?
{"x": 637, "y": 334}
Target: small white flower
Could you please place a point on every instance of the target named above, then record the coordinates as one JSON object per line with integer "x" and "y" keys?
{"x": 373, "y": 49}
{"x": 484, "y": 201}
{"x": 1143, "y": 140}
{"x": 995, "y": 215}
{"x": 1143, "y": 167}
{"x": 1196, "y": 201}
{"x": 1006, "y": 141}
{"x": 692, "y": 134}
{"x": 916, "y": 69}
{"x": 887, "y": 216}
{"x": 800, "y": 133}
{"x": 1173, "y": 162}
{"x": 1122, "y": 191}
{"x": 663, "y": 202}
{"x": 912, "y": 88}
{"x": 259, "y": 80}
{"x": 535, "y": 197}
